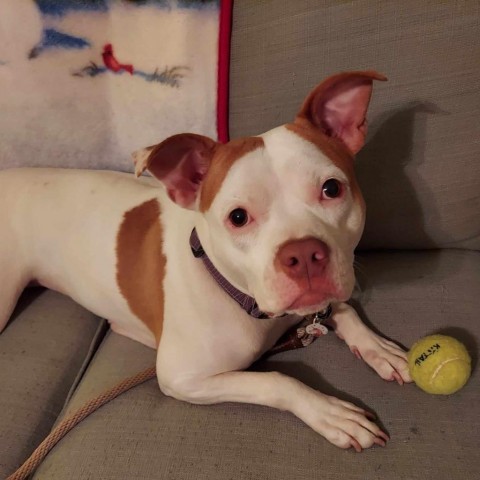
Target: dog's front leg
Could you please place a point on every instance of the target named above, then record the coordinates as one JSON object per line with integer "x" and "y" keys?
{"x": 342, "y": 423}
{"x": 384, "y": 356}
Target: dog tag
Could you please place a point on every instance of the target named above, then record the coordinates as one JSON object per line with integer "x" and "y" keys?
{"x": 316, "y": 329}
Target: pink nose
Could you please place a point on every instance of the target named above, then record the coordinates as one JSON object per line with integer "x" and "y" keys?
{"x": 304, "y": 258}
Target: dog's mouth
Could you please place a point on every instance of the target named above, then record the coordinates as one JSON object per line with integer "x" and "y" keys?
{"x": 300, "y": 311}
{"x": 305, "y": 295}
{"x": 311, "y": 301}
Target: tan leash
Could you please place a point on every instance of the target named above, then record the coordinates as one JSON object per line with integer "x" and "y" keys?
{"x": 297, "y": 337}
{"x": 66, "y": 425}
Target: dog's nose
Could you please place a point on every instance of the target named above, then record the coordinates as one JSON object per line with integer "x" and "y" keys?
{"x": 302, "y": 258}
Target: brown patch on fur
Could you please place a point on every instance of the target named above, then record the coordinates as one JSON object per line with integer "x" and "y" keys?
{"x": 141, "y": 264}
{"x": 332, "y": 148}
{"x": 223, "y": 159}
{"x": 164, "y": 157}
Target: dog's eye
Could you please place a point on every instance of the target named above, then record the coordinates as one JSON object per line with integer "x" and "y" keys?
{"x": 331, "y": 189}
{"x": 238, "y": 217}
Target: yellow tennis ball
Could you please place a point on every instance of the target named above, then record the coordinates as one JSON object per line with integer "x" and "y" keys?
{"x": 439, "y": 364}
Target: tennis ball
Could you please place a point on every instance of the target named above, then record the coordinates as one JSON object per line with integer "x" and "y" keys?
{"x": 439, "y": 364}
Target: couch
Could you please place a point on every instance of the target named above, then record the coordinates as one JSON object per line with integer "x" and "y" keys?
{"x": 418, "y": 273}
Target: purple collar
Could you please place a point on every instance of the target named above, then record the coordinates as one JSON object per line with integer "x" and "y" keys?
{"x": 247, "y": 303}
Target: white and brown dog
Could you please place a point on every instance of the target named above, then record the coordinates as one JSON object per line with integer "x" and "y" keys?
{"x": 272, "y": 221}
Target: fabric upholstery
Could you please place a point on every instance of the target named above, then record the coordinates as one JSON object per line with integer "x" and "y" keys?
{"x": 145, "y": 435}
{"x": 419, "y": 170}
{"x": 42, "y": 352}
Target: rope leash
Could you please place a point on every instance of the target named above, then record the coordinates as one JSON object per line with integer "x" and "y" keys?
{"x": 297, "y": 337}
{"x": 66, "y": 425}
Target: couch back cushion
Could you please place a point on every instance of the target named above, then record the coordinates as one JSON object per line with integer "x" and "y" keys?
{"x": 420, "y": 169}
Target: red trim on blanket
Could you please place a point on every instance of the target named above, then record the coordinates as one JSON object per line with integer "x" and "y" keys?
{"x": 224, "y": 35}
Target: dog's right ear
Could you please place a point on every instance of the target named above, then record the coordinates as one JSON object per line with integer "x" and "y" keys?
{"x": 180, "y": 163}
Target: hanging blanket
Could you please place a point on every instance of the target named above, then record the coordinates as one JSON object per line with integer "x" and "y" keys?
{"x": 83, "y": 83}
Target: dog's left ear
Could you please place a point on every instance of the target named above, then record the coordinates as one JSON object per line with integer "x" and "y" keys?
{"x": 338, "y": 107}
{"x": 180, "y": 163}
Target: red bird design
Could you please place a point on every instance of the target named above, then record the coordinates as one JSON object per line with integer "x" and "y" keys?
{"x": 112, "y": 63}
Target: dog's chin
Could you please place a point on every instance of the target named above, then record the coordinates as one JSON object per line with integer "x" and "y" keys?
{"x": 310, "y": 303}
{"x": 307, "y": 301}
{"x": 308, "y": 310}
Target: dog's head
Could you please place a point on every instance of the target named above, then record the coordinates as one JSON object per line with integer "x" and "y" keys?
{"x": 279, "y": 214}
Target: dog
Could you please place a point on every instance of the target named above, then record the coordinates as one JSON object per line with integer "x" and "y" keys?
{"x": 216, "y": 255}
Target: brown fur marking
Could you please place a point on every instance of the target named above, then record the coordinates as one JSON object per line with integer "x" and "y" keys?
{"x": 223, "y": 159}
{"x": 141, "y": 264}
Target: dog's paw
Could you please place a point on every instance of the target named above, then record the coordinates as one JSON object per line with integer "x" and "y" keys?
{"x": 344, "y": 424}
{"x": 385, "y": 357}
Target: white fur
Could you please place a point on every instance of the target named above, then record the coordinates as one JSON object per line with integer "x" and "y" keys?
{"x": 47, "y": 203}
{"x": 60, "y": 226}
{"x": 281, "y": 190}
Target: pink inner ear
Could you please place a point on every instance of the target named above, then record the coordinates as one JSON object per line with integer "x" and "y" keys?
{"x": 180, "y": 163}
{"x": 342, "y": 112}
{"x": 184, "y": 180}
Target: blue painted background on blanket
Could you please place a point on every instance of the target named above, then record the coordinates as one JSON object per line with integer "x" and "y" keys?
{"x": 56, "y": 39}
{"x": 104, "y": 60}
{"x": 61, "y": 7}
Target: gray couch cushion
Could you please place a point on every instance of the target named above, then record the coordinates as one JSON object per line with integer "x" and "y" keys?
{"x": 42, "y": 351}
{"x": 420, "y": 171}
{"x": 144, "y": 434}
